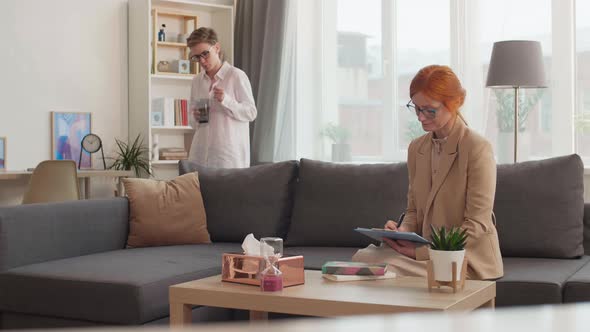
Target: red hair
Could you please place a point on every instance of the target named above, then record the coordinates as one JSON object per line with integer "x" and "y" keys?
{"x": 439, "y": 83}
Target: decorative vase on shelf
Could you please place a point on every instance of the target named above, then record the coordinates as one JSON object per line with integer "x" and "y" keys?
{"x": 164, "y": 66}
{"x": 155, "y": 147}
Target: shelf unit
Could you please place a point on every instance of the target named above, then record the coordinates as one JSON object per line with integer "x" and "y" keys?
{"x": 146, "y": 83}
{"x": 172, "y": 76}
{"x": 165, "y": 162}
{"x": 182, "y": 20}
{"x": 172, "y": 129}
{"x": 171, "y": 44}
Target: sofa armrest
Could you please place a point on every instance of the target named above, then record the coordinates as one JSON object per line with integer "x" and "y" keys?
{"x": 587, "y": 228}
{"x": 42, "y": 232}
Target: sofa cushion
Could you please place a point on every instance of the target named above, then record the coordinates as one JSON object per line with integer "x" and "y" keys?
{"x": 128, "y": 286}
{"x": 587, "y": 228}
{"x": 332, "y": 200}
{"x": 28, "y": 233}
{"x": 240, "y": 201}
{"x": 315, "y": 257}
{"x": 577, "y": 287}
{"x": 163, "y": 213}
{"x": 539, "y": 208}
{"x": 529, "y": 281}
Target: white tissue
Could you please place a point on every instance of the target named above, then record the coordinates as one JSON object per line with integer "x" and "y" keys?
{"x": 251, "y": 246}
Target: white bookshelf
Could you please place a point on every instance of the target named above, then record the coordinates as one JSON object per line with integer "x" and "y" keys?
{"x": 174, "y": 129}
{"x": 165, "y": 162}
{"x": 172, "y": 77}
{"x": 144, "y": 85}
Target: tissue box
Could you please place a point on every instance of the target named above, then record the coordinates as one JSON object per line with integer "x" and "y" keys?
{"x": 245, "y": 269}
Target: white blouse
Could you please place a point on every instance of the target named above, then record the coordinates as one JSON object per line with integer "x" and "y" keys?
{"x": 223, "y": 142}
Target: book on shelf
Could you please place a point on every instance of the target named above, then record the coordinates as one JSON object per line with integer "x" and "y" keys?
{"x": 354, "y": 268}
{"x": 166, "y": 106}
{"x": 173, "y": 154}
{"x": 172, "y": 150}
{"x": 173, "y": 158}
{"x": 175, "y": 111}
{"x": 339, "y": 277}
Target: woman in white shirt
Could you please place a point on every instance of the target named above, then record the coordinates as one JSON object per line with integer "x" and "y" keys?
{"x": 223, "y": 141}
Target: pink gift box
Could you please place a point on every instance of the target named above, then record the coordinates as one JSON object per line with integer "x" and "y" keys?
{"x": 245, "y": 269}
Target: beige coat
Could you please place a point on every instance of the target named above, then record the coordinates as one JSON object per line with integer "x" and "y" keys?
{"x": 461, "y": 194}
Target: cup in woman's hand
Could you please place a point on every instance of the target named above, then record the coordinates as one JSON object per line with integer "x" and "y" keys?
{"x": 196, "y": 114}
{"x": 201, "y": 109}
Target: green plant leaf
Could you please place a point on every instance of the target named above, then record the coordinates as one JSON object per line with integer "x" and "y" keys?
{"x": 452, "y": 239}
{"x": 505, "y": 107}
{"x": 337, "y": 134}
{"x": 131, "y": 157}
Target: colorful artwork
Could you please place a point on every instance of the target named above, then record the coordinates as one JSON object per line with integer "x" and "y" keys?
{"x": 2, "y": 152}
{"x": 67, "y": 131}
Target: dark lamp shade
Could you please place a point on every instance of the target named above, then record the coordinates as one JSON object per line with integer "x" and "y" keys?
{"x": 516, "y": 63}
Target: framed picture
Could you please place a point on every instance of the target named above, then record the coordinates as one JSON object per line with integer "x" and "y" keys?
{"x": 157, "y": 118}
{"x": 67, "y": 131}
{"x": 2, "y": 153}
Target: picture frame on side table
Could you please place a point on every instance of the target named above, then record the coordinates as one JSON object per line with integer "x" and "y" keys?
{"x": 67, "y": 131}
{"x": 2, "y": 153}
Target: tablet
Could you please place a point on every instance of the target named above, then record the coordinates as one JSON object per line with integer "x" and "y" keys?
{"x": 379, "y": 234}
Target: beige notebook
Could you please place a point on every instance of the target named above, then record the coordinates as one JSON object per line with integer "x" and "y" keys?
{"x": 337, "y": 277}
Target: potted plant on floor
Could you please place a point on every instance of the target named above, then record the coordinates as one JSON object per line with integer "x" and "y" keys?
{"x": 447, "y": 246}
{"x": 341, "y": 150}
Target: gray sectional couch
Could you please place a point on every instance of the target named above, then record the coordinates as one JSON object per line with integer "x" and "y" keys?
{"x": 66, "y": 264}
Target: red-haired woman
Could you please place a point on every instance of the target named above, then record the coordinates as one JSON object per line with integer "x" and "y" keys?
{"x": 452, "y": 176}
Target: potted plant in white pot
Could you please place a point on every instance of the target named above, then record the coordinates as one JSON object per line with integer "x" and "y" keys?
{"x": 447, "y": 246}
{"x": 341, "y": 150}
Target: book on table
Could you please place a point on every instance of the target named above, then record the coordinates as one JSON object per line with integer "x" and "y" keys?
{"x": 353, "y": 268}
{"x": 339, "y": 277}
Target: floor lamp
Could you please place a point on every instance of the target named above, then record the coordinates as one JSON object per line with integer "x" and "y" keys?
{"x": 516, "y": 64}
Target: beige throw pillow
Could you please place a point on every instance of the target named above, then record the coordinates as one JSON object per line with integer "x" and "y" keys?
{"x": 166, "y": 212}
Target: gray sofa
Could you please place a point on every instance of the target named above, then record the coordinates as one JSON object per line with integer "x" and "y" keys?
{"x": 65, "y": 264}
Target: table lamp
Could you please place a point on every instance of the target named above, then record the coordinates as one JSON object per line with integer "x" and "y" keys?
{"x": 516, "y": 64}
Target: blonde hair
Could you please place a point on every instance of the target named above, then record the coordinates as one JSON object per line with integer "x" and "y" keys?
{"x": 202, "y": 35}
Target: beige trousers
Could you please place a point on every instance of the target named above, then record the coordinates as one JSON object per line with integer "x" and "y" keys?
{"x": 402, "y": 266}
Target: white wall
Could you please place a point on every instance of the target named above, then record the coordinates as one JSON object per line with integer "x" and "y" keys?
{"x": 64, "y": 55}
{"x": 60, "y": 55}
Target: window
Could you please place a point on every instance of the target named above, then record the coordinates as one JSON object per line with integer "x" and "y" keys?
{"x": 356, "y": 60}
{"x": 362, "y": 90}
{"x": 582, "y": 116}
{"x": 506, "y": 20}
{"x": 423, "y": 38}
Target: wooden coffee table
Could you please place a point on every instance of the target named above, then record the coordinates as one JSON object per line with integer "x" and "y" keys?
{"x": 320, "y": 297}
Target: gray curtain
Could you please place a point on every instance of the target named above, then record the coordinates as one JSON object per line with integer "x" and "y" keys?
{"x": 264, "y": 50}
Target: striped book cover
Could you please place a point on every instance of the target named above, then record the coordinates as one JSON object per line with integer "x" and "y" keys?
{"x": 354, "y": 268}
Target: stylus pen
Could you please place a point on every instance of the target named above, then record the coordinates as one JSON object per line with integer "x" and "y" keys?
{"x": 400, "y": 219}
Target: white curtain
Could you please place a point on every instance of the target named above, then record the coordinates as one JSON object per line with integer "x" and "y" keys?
{"x": 346, "y": 66}
{"x": 264, "y": 45}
